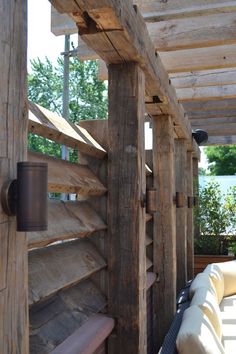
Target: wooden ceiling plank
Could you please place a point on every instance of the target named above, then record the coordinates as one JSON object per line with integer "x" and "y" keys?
{"x": 221, "y": 104}
{"x": 194, "y": 32}
{"x": 196, "y": 59}
{"x": 219, "y": 129}
{"x": 212, "y": 113}
{"x": 206, "y": 93}
{"x": 221, "y": 140}
{"x": 213, "y": 121}
{"x": 217, "y": 77}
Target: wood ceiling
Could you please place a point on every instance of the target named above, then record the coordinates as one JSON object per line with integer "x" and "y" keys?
{"x": 196, "y": 41}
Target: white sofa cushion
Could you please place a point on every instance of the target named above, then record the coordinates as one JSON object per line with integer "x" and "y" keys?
{"x": 228, "y": 270}
{"x": 196, "y": 334}
{"x": 201, "y": 281}
{"x": 217, "y": 278}
{"x": 228, "y": 318}
{"x": 207, "y": 302}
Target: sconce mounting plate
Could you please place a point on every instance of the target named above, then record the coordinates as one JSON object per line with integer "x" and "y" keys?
{"x": 9, "y": 197}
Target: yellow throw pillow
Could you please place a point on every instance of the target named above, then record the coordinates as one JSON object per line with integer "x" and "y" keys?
{"x": 196, "y": 334}
{"x": 209, "y": 305}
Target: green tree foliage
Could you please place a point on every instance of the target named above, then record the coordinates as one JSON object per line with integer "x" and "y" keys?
{"x": 88, "y": 95}
{"x": 221, "y": 159}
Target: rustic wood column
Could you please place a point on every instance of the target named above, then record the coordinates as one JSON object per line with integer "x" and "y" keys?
{"x": 196, "y": 194}
{"x": 190, "y": 235}
{"x": 126, "y": 209}
{"x": 164, "y": 231}
{"x": 13, "y": 138}
{"x": 181, "y": 211}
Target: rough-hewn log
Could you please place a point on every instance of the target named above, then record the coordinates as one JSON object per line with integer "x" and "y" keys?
{"x": 66, "y": 177}
{"x": 67, "y": 220}
{"x": 190, "y": 235}
{"x": 13, "y": 142}
{"x": 126, "y": 216}
{"x": 56, "y": 267}
{"x": 50, "y": 125}
{"x": 53, "y": 321}
{"x": 181, "y": 212}
{"x": 164, "y": 230}
{"x": 117, "y": 33}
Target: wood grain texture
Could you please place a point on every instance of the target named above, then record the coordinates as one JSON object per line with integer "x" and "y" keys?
{"x": 50, "y": 125}
{"x": 13, "y": 142}
{"x": 190, "y": 234}
{"x": 53, "y": 321}
{"x": 221, "y": 140}
{"x": 164, "y": 228}
{"x": 88, "y": 338}
{"x": 201, "y": 261}
{"x": 56, "y": 267}
{"x": 181, "y": 213}
{"x": 67, "y": 220}
{"x": 159, "y": 10}
{"x": 194, "y": 32}
{"x": 66, "y": 177}
{"x": 220, "y": 104}
{"x": 196, "y": 194}
{"x": 119, "y": 42}
{"x": 186, "y": 60}
{"x": 206, "y": 93}
{"x": 126, "y": 215}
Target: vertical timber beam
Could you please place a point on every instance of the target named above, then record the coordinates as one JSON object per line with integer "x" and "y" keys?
{"x": 164, "y": 228}
{"x": 190, "y": 243}
{"x": 126, "y": 209}
{"x": 13, "y": 137}
{"x": 196, "y": 194}
{"x": 181, "y": 211}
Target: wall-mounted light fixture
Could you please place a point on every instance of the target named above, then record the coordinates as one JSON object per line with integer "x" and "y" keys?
{"x": 26, "y": 196}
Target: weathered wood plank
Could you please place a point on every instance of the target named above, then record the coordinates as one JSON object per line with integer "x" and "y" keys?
{"x": 190, "y": 234}
{"x": 181, "y": 213}
{"x": 88, "y": 338}
{"x": 206, "y": 93}
{"x": 194, "y": 32}
{"x": 66, "y": 177}
{"x": 206, "y": 122}
{"x": 217, "y": 77}
{"x": 53, "y": 321}
{"x": 217, "y": 113}
{"x": 220, "y": 104}
{"x": 126, "y": 217}
{"x": 159, "y": 10}
{"x": 199, "y": 59}
{"x": 67, "y": 220}
{"x": 196, "y": 194}
{"x": 119, "y": 42}
{"x": 219, "y": 129}
{"x": 164, "y": 228}
{"x": 56, "y": 267}
{"x": 221, "y": 140}
{"x": 50, "y": 125}
{"x": 13, "y": 142}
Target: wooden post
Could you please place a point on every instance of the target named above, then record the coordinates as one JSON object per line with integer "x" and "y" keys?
{"x": 181, "y": 212}
{"x": 13, "y": 131}
{"x": 126, "y": 209}
{"x": 164, "y": 231}
{"x": 190, "y": 243}
{"x": 196, "y": 194}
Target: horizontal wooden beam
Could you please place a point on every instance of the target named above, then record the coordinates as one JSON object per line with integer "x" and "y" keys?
{"x": 203, "y": 78}
{"x": 194, "y": 32}
{"x": 206, "y": 93}
{"x": 87, "y": 338}
{"x": 66, "y": 177}
{"x": 217, "y": 113}
{"x": 159, "y": 10}
{"x": 51, "y": 126}
{"x": 221, "y": 140}
{"x": 220, "y": 104}
{"x": 66, "y": 220}
{"x": 56, "y": 267}
{"x": 186, "y": 60}
{"x": 119, "y": 34}
{"x": 55, "y": 320}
